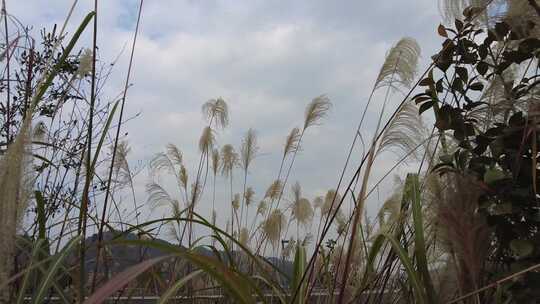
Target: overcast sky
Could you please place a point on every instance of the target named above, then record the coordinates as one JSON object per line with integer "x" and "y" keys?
{"x": 267, "y": 59}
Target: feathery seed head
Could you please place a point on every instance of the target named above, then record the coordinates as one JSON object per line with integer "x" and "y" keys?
{"x": 175, "y": 155}
{"x": 249, "y": 195}
{"x": 229, "y": 159}
{"x": 85, "y": 63}
{"x": 297, "y": 192}
{"x": 243, "y": 238}
{"x": 262, "y": 207}
{"x": 217, "y": 111}
{"x": 215, "y": 161}
{"x": 121, "y": 165}
{"x": 249, "y": 148}
{"x": 400, "y": 64}
{"x": 236, "y": 202}
{"x": 183, "y": 176}
{"x": 329, "y": 200}
{"x": 302, "y": 211}
{"x": 207, "y": 140}
{"x": 292, "y": 142}
{"x": 274, "y": 190}
{"x": 405, "y": 132}
{"x": 273, "y": 226}
{"x": 316, "y": 110}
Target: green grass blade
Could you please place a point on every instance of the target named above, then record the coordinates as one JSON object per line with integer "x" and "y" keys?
{"x": 171, "y": 291}
{"x": 40, "y": 206}
{"x": 412, "y": 192}
{"x": 43, "y": 86}
{"x": 103, "y": 135}
{"x": 51, "y": 272}
{"x": 407, "y": 263}
{"x": 35, "y": 253}
{"x": 298, "y": 272}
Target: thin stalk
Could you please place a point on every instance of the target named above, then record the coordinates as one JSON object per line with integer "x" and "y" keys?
{"x": 116, "y": 140}
{"x": 81, "y": 230}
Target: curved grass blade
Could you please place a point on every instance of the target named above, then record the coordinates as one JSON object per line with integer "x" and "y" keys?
{"x": 51, "y": 272}
{"x": 171, "y": 291}
{"x": 121, "y": 280}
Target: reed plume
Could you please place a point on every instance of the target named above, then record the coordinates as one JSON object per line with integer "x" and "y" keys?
{"x": 216, "y": 110}
{"x": 248, "y": 152}
{"x": 207, "y": 140}
{"x": 15, "y": 191}
{"x": 229, "y": 160}
{"x": 274, "y": 190}
{"x": 273, "y": 226}
{"x": 400, "y": 64}
{"x": 405, "y": 132}
{"x": 316, "y": 110}
{"x": 249, "y": 196}
{"x": 292, "y": 142}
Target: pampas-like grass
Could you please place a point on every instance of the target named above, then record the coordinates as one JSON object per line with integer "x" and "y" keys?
{"x": 216, "y": 110}
{"x": 215, "y": 161}
{"x": 243, "y": 237}
{"x": 236, "y": 202}
{"x": 121, "y": 166}
{"x": 316, "y": 110}
{"x": 85, "y": 63}
{"x": 207, "y": 140}
{"x": 249, "y": 196}
{"x": 405, "y": 132}
{"x": 15, "y": 191}
{"x": 183, "y": 177}
{"x": 175, "y": 155}
{"x": 229, "y": 160}
{"x": 327, "y": 207}
{"x": 400, "y": 64}
{"x": 157, "y": 195}
{"x": 249, "y": 149}
{"x": 292, "y": 142}
{"x": 302, "y": 211}
{"x": 274, "y": 190}
{"x": 262, "y": 207}
{"x": 273, "y": 226}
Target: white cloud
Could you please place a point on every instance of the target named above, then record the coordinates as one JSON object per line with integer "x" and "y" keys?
{"x": 267, "y": 59}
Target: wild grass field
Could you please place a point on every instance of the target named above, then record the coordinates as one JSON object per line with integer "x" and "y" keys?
{"x": 460, "y": 224}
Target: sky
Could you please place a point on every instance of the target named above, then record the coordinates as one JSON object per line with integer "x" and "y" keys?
{"x": 267, "y": 59}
